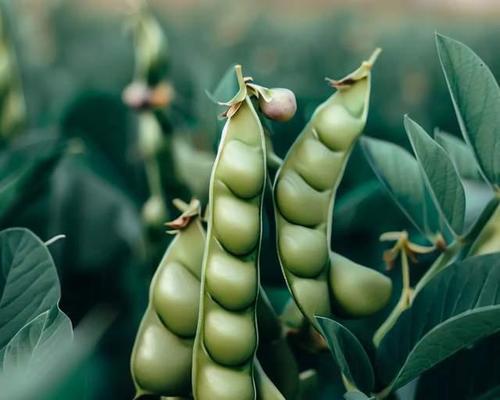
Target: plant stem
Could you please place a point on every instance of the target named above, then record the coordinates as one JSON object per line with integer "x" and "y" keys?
{"x": 403, "y": 303}
{"x": 457, "y": 250}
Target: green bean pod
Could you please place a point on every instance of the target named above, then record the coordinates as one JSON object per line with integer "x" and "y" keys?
{"x": 162, "y": 354}
{"x": 304, "y": 194}
{"x": 226, "y": 340}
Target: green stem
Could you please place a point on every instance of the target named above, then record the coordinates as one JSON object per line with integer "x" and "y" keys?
{"x": 403, "y": 303}
{"x": 153, "y": 177}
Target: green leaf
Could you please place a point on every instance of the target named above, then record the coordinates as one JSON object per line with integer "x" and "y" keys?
{"x": 440, "y": 175}
{"x": 60, "y": 376}
{"x": 357, "y": 396}
{"x": 226, "y": 88}
{"x": 29, "y": 285}
{"x": 348, "y": 353}
{"x": 399, "y": 173}
{"x": 36, "y": 342}
{"x": 456, "y": 308}
{"x": 24, "y": 168}
{"x": 468, "y": 383}
{"x": 476, "y": 97}
{"x": 460, "y": 154}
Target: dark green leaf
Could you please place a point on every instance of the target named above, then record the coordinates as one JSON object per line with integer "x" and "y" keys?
{"x": 399, "y": 172}
{"x": 29, "y": 285}
{"x": 440, "y": 175}
{"x": 460, "y": 154}
{"x": 23, "y": 169}
{"x": 476, "y": 98}
{"x": 348, "y": 353}
{"x": 458, "y": 307}
{"x": 468, "y": 382}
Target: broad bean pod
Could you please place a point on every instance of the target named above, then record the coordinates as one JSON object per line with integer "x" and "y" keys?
{"x": 162, "y": 354}
{"x": 226, "y": 340}
{"x": 304, "y": 194}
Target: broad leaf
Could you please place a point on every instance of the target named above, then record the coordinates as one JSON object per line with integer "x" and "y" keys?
{"x": 468, "y": 383}
{"x": 460, "y": 154}
{"x": 399, "y": 172}
{"x": 348, "y": 353}
{"x": 456, "y": 308}
{"x": 357, "y": 396}
{"x": 476, "y": 97}
{"x": 36, "y": 342}
{"x": 63, "y": 375}
{"x": 440, "y": 175}
{"x": 29, "y": 285}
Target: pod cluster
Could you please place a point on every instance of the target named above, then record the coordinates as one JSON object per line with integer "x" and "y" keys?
{"x": 162, "y": 354}
{"x": 304, "y": 191}
{"x": 226, "y": 340}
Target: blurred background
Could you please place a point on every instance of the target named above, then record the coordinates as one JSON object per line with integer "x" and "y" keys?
{"x": 76, "y": 57}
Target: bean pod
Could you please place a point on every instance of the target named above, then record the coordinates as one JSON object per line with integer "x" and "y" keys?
{"x": 162, "y": 354}
{"x": 226, "y": 340}
{"x": 304, "y": 194}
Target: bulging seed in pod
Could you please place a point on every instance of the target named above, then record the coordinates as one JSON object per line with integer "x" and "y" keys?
{"x": 315, "y": 299}
{"x": 298, "y": 202}
{"x": 176, "y": 299}
{"x": 230, "y": 281}
{"x": 281, "y": 106}
{"x": 230, "y": 338}
{"x": 237, "y": 168}
{"x": 359, "y": 291}
{"x": 217, "y": 382}
{"x": 154, "y": 371}
{"x": 236, "y": 223}
{"x": 317, "y": 164}
{"x": 303, "y": 249}
{"x": 336, "y": 127}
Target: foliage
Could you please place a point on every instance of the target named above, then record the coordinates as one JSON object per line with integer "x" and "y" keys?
{"x": 90, "y": 179}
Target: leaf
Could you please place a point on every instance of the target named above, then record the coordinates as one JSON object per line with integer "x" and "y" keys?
{"x": 399, "y": 172}
{"x": 468, "y": 382}
{"x": 64, "y": 373}
{"x": 29, "y": 285}
{"x": 440, "y": 175}
{"x": 23, "y": 169}
{"x": 353, "y": 395}
{"x": 460, "y": 154}
{"x": 226, "y": 88}
{"x": 348, "y": 353}
{"x": 456, "y": 308}
{"x": 36, "y": 342}
{"x": 476, "y": 99}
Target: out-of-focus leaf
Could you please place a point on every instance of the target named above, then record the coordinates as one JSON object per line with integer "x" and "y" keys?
{"x": 348, "y": 353}
{"x": 36, "y": 342}
{"x": 55, "y": 378}
{"x": 440, "y": 175}
{"x": 90, "y": 211}
{"x": 29, "y": 285}
{"x": 476, "y": 97}
{"x": 399, "y": 172}
{"x": 456, "y": 308}
{"x": 25, "y": 167}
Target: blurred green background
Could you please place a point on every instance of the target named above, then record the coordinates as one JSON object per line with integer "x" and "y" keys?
{"x": 76, "y": 57}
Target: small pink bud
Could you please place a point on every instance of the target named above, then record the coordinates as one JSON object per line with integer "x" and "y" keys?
{"x": 282, "y": 105}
